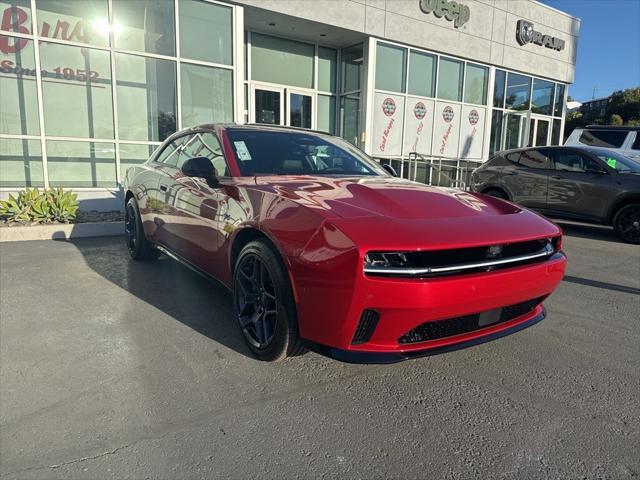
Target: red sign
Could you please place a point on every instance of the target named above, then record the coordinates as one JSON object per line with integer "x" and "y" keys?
{"x": 447, "y": 114}
{"x": 15, "y": 19}
{"x": 473, "y": 117}
{"x": 389, "y": 106}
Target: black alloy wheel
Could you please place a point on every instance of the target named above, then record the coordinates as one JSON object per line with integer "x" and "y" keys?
{"x": 130, "y": 228}
{"x": 256, "y": 301}
{"x": 137, "y": 244}
{"x": 264, "y": 303}
{"x": 626, "y": 223}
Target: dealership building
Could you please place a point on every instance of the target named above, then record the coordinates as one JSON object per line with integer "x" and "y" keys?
{"x": 89, "y": 88}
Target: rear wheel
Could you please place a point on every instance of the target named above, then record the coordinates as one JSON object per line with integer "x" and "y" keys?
{"x": 264, "y": 303}
{"x": 137, "y": 244}
{"x": 496, "y": 193}
{"x": 626, "y": 223}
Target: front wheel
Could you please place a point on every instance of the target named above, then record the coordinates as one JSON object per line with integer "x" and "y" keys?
{"x": 264, "y": 303}
{"x": 137, "y": 244}
{"x": 626, "y": 223}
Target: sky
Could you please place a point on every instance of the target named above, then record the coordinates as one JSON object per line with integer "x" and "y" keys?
{"x": 608, "y": 46}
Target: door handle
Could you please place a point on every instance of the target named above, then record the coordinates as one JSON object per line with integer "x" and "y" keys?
{"x": 513, "y": 173}
{"x": 163, "y": 187}
{"x": 557, "y": 177}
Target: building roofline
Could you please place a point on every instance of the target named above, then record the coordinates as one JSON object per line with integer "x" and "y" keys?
{"x": 539, "y": 2}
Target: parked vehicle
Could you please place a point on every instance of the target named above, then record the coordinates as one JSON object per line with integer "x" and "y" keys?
{"x": 323, "y": 249}
{"x": 581, "y": 183}
{"x": 622, "y": 140}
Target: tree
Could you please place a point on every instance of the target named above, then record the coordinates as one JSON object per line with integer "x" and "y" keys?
{"x": 615, "y": 119}
{"x": 626, "y": 104}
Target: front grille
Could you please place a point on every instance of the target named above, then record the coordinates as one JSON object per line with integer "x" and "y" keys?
{"x": 366, "y": 326}
{"x": 468, "y": 323}
{"x": 429, "y": 263}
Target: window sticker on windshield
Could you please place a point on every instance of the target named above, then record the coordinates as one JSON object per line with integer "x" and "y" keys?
{"x": 611, "y": 162}
{"x": 242, "y": 151}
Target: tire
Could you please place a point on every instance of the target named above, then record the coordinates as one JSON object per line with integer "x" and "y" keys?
{"x": 264, "y": 303}
{"x": 626, "y": 223}
{"x": 494, "y": 192}
{"x": 137, "y": 244}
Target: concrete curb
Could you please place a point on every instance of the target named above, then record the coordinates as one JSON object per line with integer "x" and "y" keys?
{"x": 61, "y": 231}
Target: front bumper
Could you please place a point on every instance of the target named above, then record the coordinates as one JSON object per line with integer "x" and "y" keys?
{"x": 404, "y": 304}
{"x": 359, "y": 356}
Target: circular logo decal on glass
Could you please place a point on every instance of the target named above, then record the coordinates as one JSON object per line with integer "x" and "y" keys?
{"x": 447, "y": 114}
{"x": 420, "y": 110}
{"x": 389, "y": 106}
{"x": 473, "y": 117}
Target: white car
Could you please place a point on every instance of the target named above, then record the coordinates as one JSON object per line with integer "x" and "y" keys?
{"x": 623, "y": 140}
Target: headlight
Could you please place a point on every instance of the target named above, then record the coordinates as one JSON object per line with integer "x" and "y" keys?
{"x": 385, "y": 259}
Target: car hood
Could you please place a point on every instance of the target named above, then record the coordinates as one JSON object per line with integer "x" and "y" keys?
{"x": 339, "y": 197}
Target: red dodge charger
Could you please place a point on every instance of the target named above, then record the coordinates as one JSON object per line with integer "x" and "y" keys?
{"x": 324, "y": 249}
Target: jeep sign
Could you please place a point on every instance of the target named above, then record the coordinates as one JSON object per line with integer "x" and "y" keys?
{"x": 526, "y": 34}
{"x": 452, "y": 11}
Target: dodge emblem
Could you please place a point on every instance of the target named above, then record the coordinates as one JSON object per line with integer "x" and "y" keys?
{"x": 494, "y": 251}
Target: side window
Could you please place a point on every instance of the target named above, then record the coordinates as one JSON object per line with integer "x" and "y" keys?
{"x": 205, "y": 144}
{"x": 569, "y": 161}
{"x": 636, "y": 142}
{"x": 603, "y": 138}
{"x": 169, "y": 156}
{"x": 536, "y": 159}
{"x": 513, "y": 157}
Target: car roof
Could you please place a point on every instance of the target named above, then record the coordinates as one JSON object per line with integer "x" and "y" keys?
{"x": 255, "y": 126}
{"x": 561, "y": 147}
{"x": 585, "y": 148}
{"x": 626, "y": 128}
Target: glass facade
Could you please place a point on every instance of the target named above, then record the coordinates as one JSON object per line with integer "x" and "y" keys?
{"x": 97, "y": 85}
{"x": 111, "y": 80}
{"x": 527, "y": 111}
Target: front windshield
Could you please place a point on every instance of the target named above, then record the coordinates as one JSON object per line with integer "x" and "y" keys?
{"x": 617, "y": 161}
{"x": 269, "y": 152}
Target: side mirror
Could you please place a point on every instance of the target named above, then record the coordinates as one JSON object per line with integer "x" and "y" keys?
{"x": 200, "y": 167}
{"x": 390, "y": 169}
{"x": 595, "y": 169}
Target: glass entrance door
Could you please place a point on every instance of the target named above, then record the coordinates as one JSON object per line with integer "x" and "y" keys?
{"x": 274, "y": 105}
{"x": 300, "y": 109}
{"x": 541, "y": 134}
{"x": 268, "y": 105}
{"x": 515, "y": 131}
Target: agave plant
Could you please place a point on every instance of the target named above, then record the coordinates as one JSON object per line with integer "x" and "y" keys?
{"x": 32, "y": 205}
{"x": 63, "y": 206}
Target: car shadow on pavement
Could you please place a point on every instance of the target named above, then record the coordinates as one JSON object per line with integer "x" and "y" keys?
{"x": 592, "y": 232}
{"x": 195, "y": 301}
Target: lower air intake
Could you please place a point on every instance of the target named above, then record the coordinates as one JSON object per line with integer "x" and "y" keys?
{"x": 468, "y": 323}
{"x": 366, "y": 326}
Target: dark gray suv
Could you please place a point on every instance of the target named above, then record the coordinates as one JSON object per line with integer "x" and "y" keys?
{"x": 580, "y": 183}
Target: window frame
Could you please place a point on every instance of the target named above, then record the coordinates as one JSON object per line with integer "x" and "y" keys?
{"x": 179, "y": 135}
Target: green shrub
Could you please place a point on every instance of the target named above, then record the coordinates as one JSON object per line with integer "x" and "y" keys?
{"x": 47, "y": 206}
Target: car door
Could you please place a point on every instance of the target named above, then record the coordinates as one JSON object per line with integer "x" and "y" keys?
{"x": 580, "y": 186}
{"x": 193, "y": 228}
{"x": 530, "y": 177}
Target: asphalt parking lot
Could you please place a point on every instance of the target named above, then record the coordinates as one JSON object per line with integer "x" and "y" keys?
{"x": 116, "y": 369}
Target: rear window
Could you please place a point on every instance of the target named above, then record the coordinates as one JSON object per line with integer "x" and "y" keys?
{"x": 603, "y": 138}
{"x": 536, "y": 159}
{"x": 636, "y": 143}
